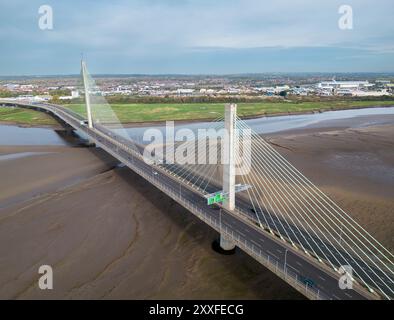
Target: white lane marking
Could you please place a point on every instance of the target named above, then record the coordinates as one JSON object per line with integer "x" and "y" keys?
{"x": 348, "y": 295}
{"x": 280, "y": 251}
{"x": 271, "y": 254}
{"x": 322, "y": 278}
{"x": 241, "y": 233}
{"x": 336, "y": 297}
{"x": 300, "y": 264}
{"x": 257, "y": 244}
{"x": 296, "y": 270}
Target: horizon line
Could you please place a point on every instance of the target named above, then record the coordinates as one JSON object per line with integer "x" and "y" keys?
{"x": 200, "y": 74}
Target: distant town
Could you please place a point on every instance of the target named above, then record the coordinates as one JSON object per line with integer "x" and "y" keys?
{"x": 68, "y": 88}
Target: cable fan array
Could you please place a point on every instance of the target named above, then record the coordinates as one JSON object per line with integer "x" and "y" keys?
{"x": 287, "y": 203}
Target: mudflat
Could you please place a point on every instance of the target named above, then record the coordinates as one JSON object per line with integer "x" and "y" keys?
{"x": 109, "y": 234}
{"x": 352, "y": 161}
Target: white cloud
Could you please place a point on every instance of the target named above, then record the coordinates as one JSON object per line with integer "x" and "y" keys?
{"x": 141, "y": 30}
{"x": 235, "y": 24}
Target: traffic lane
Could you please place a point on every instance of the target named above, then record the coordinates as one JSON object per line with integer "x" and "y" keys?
{"x": 323, "y": 281}
{"x": 338, "y": 256}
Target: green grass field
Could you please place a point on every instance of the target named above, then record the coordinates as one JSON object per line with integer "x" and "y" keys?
{"x": 25, "y": 116}
{"x": 129, "y": 113}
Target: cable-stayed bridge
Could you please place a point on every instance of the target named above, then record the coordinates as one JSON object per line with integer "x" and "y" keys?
{"x": 251, "y": 195}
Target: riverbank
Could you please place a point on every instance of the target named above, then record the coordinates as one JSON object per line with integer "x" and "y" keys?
{"x": 131, "y": 115}
{"x": 273, "y": 115}
{"x": 110, "y": 235}
{"x": 26, "y": 118}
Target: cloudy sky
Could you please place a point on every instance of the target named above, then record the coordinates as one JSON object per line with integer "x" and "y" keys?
{"x": 196, "y": 36}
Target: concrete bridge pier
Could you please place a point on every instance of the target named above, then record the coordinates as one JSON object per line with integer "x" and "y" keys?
{"x": 65, "y": 131}
{"x": 226, "y": 244}
{"x": 69, "y": 131}
{"x": 223, "y": 245}
{"x": 90, "y": 143}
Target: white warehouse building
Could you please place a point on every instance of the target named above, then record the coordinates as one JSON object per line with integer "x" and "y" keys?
{"x": 351, "y": 85}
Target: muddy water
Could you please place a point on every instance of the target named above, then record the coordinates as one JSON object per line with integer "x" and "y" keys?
{"x": 267, "y": 125}
{"x": 14, "y": 135}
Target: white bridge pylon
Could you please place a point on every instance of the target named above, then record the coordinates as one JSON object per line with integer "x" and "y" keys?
{"x": 230, "y": 113}
{"x": 87, "y": 94}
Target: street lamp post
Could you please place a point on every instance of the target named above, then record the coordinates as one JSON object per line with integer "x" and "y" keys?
{"x": 220, "y": 219}
{"x": 286, "y": 258}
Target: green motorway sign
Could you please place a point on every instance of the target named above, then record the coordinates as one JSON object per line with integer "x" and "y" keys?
{"x": 217, "y": 198}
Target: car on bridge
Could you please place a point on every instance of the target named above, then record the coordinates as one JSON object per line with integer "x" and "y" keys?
{"x": 255, "y": 211}
{"x": 214, "y": 206}
{"x": 307, "y": 281}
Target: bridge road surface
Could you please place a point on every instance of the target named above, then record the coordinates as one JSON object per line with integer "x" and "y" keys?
{"x": 325, "y": 282}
